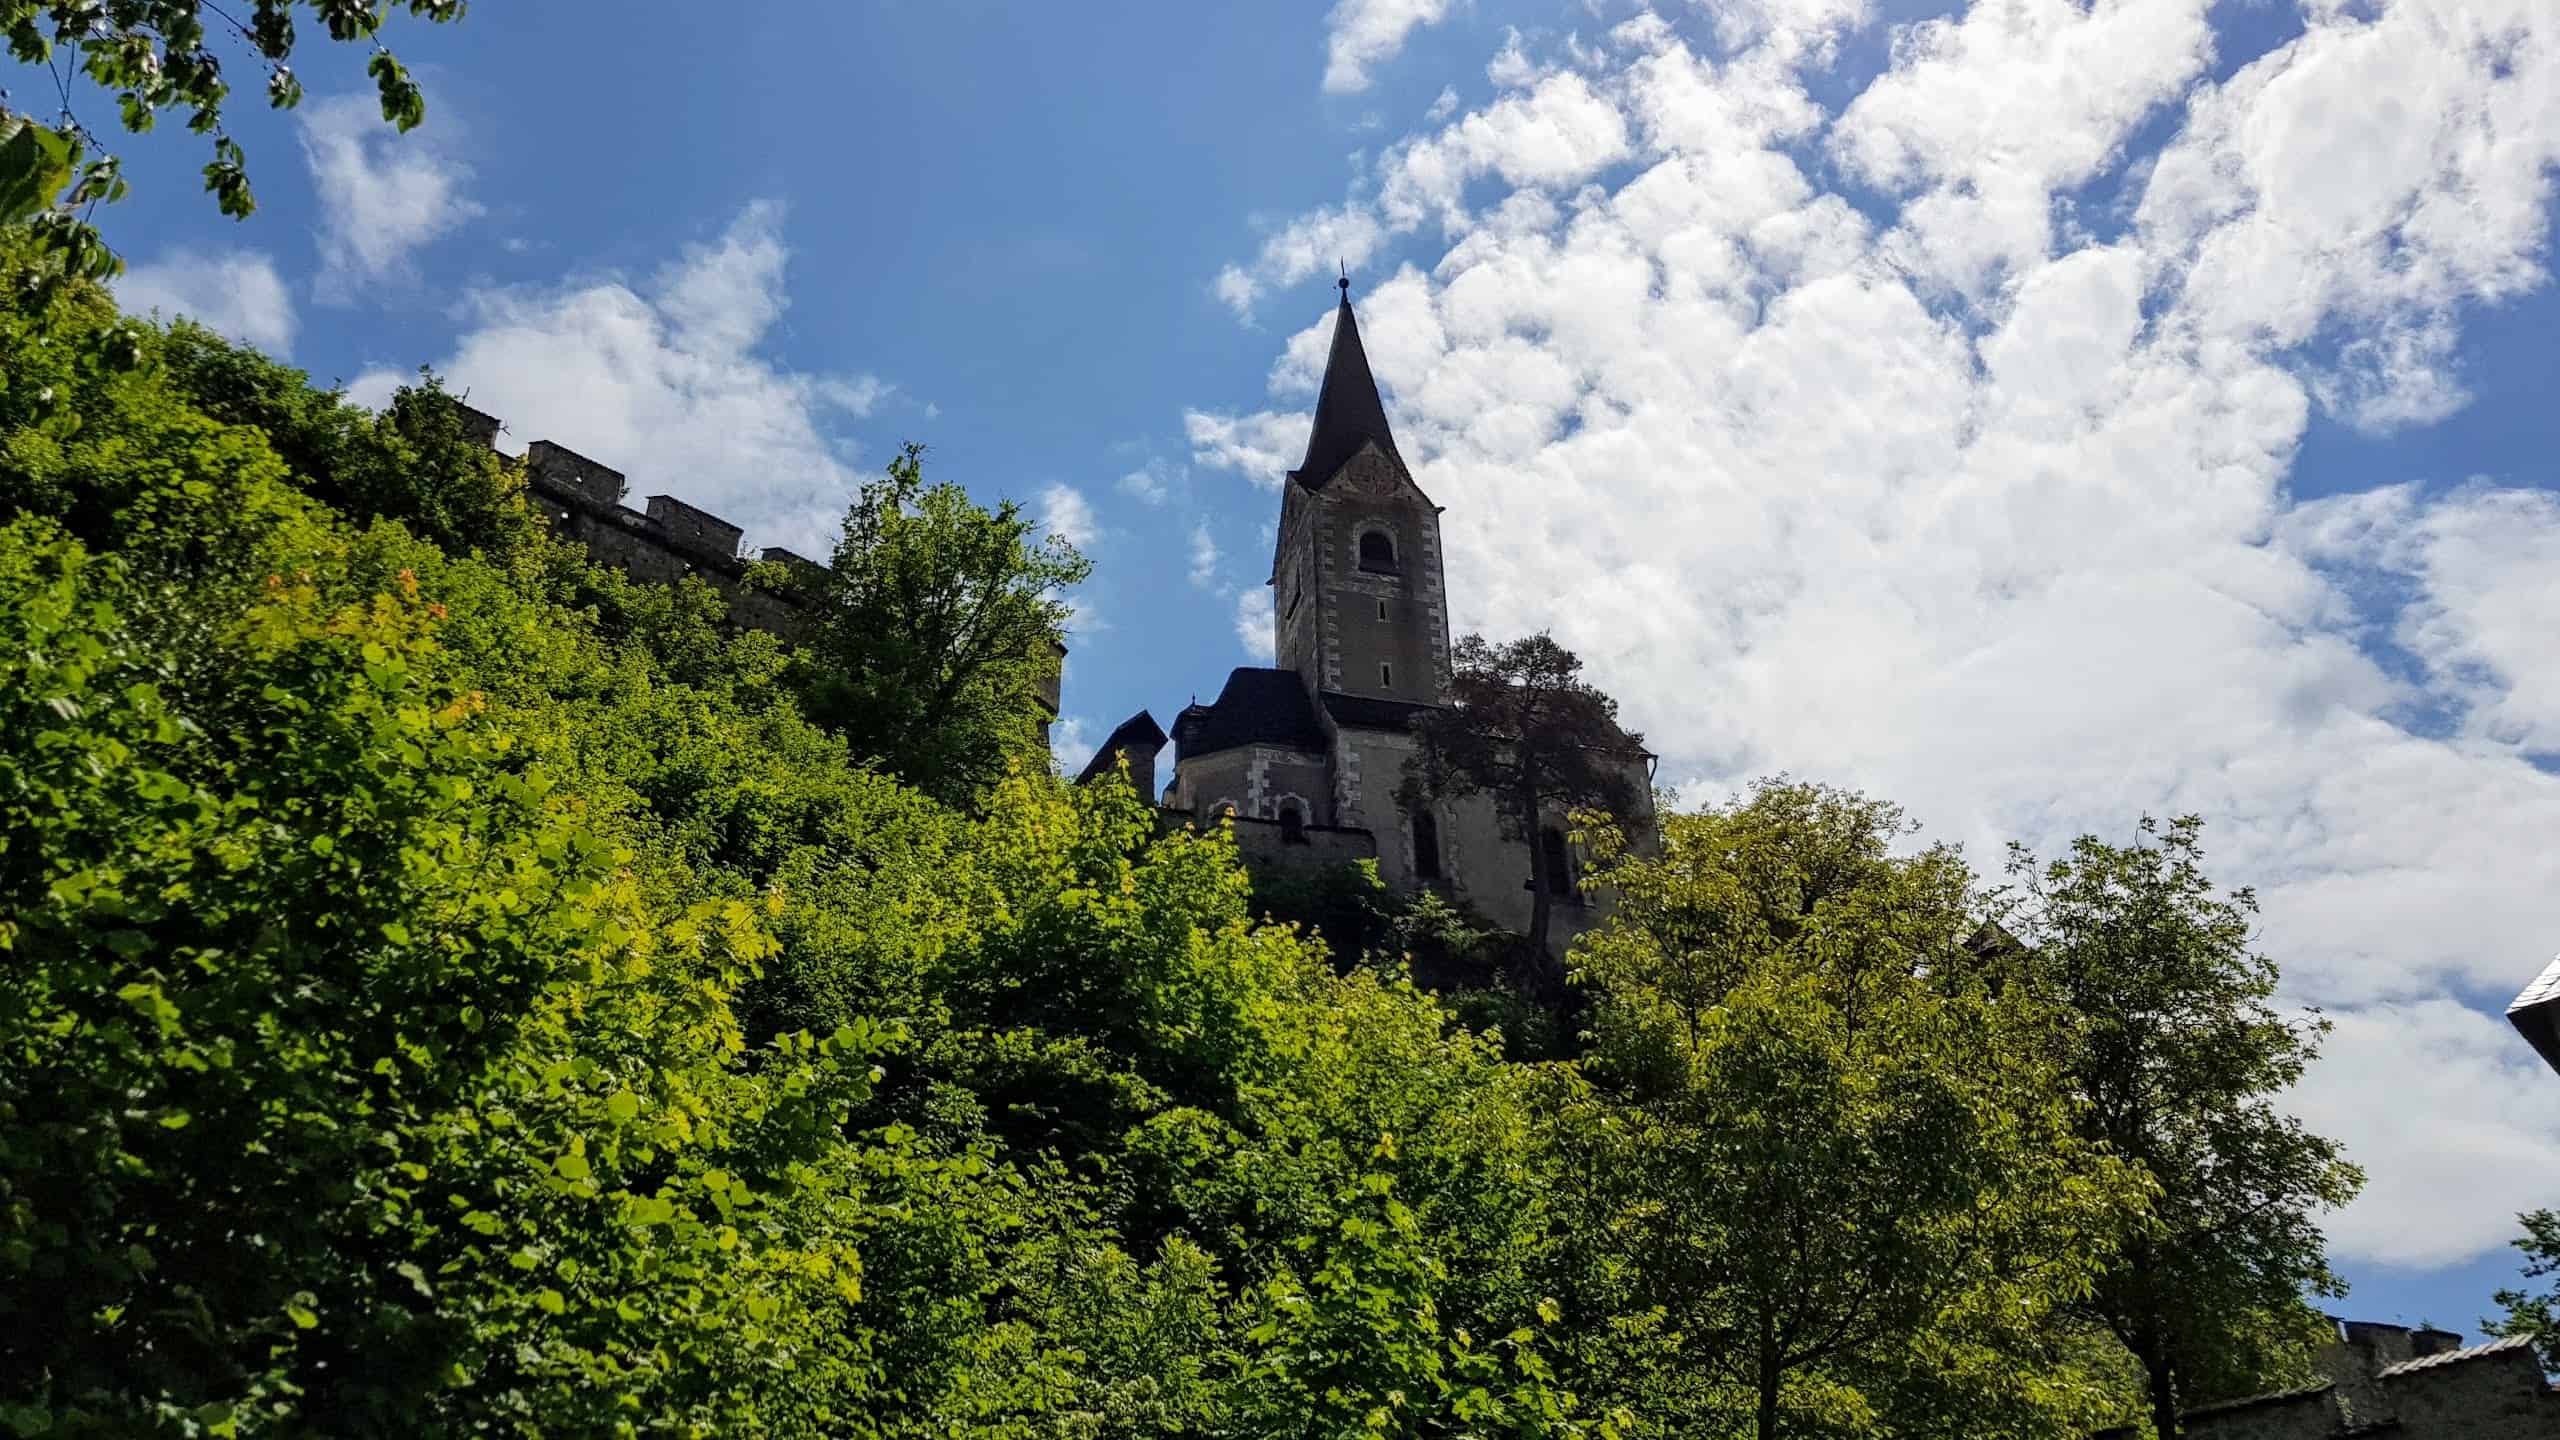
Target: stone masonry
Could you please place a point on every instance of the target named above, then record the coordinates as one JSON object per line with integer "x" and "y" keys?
{"x": 2389, "y": 1380}
{"x": 582, "y": 500}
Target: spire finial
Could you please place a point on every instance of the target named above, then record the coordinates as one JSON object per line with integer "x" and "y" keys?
{"x": 1345, "y": 281}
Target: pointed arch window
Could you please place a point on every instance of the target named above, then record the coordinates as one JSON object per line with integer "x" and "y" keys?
{"x": 1293, "y": 822}
{"x": 1378, "y": 551}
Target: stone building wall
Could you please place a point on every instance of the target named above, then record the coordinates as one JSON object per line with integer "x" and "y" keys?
{"x": 2493, "y": 1397}
{"x": 582, "y": 500}
{"x": 2390, "y": 1380}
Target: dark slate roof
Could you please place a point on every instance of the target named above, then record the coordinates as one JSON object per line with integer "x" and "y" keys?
{"x": 1257, "y": 707}
{"x": 1138, "y": 730}
{"x": 1362, "y": 712}
{"x": 1349, "y": 413}
{"x": 2536, "y": 1015}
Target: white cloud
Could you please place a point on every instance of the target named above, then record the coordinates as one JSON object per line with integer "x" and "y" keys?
{"x": 383, "y": 195}
{"x": 1360, "y": 34}
{"x": 1204, "y": 556}
{"x": 1254, "y": 623}
{"x": 1985, "y": 504}
{"x": 1071, "y": 743}
{"x": 1152, "y": 483}
{"x": 1065, "y": 513}
{"x": 667, "y": 379}
{"x": 1263, "y": 447}
{"x": 236, "y": 293}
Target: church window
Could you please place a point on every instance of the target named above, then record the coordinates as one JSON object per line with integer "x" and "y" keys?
{"x": 1426, "y": 846}
{"x": 1297, "y": 592}
{"x": 1559, "y": 863}
{"x": 1293, "y": 822}
{"x": 1382, "y": 609}
{"x": 1386, "y": 676}
{"x": 1377, "y": 551}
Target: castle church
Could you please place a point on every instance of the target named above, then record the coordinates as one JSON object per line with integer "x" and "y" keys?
{"x": 1308, "y": 757}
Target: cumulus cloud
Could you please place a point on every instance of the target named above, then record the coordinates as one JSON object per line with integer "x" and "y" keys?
{"x": 1360, "y": 34}
{"x": 231, "y": 292}
{"x": 1204, "y": 556}
{"x": 1255, "y": 622}
{"x": 1260, "y": 447}
{"x": 668, "y": 379}
{"x": 1841, "y": 438}
{"x": 1071, "y": 743}
{"x": 1065, "y": 513}
{"x": 1152, "y": 483}
{"x": 383, "y": 195}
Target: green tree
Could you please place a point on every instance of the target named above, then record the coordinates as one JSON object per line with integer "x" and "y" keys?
{"x": 2530, "y": 1311}
{"x": 147, "y": 57}
{"x": 2177, "y": 1054}
{"x": 1522, "y": 726}
{"x": 938, "y": 625}
{"x": 1832, "y": 1179}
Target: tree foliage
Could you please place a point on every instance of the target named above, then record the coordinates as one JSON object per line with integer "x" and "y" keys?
{"x": 1522, "y": 726}
{"x": 150, "y": 57}
{"x": 939, "y": 623}
{"x": 448, "y": 988}
{"x": 1829, "y": 1181}
{"x": 2177, "y": 1054}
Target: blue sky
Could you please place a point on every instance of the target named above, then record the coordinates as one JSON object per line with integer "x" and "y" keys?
{"x": 2037, "y": 412}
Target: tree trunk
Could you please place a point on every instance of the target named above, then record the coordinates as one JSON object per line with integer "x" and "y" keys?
{"x": 2163, "y": 1384}
{"x": 1766, "y": 1427}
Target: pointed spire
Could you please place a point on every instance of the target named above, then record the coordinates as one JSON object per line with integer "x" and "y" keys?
{"x": 1348, "y": 411}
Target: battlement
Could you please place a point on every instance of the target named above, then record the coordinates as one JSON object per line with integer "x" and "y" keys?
{"x": 582, "y": 500}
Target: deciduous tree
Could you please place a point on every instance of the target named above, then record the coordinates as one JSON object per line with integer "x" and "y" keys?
{"x": 1825, "y": 1160}
{"x": 939, "y": 622}
{"x": 2177, "y": 1054}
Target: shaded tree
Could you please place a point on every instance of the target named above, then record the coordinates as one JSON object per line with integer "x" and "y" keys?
{"x": 939, "y": 623}
{"x": 2177, "y": 1054}
{"x": 1522, "y": 726}
{"x": 1831, "y": 1171}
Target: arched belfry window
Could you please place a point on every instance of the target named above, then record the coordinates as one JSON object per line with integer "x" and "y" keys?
{"x": 1377, "y": 551}
{"x": 1293, "y": 822}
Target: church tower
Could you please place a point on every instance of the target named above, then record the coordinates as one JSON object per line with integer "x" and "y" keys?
{"x": 1305, "y": 761}
{"x": 1358, "y": 601}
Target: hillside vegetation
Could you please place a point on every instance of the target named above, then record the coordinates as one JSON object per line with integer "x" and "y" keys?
{"x": 445, "y": 988}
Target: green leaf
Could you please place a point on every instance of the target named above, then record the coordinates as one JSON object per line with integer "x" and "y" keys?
{"x": 552, "y": 1301}
{"x": 35, "y": 166}
{"x": 624, "y": 1107}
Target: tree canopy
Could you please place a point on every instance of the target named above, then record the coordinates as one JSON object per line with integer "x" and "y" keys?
{"x": 1824, "y": 1171}
{"x": 939, "y": 622}
{"x": 2177, "y": 1055}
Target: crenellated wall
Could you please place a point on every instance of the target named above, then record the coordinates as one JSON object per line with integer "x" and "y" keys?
{"x": 582, "y": 500}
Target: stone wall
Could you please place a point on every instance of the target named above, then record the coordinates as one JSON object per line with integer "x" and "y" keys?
{"x": 2390, "y": 1380}
{"x": 582, "y": 500}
